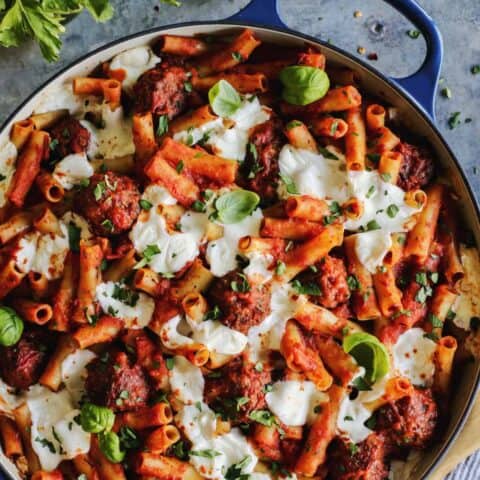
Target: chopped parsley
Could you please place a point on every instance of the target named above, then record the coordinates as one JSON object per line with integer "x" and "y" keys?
{"x": 179, "y": 167}
{"x": 264, "y": 417}
{"x": 280, "y": 268}
{"x": 128, "y": 438}
{"x": 125, "y": 295}
{"x": 289, "y": 184}
{"x": 108, "y": 225}
{"x": 327, "y": 153}
{"x": 306, "y": 288}
{"x": 386, "y": 177}
{"x": 148, "y": 254}
{"x": 214, "y": 314}
{"x": 208, "y": 453}
{"x": 414, "y": 34}
{"x": 373, "y": 157}
{"x": 454, "y": 120}
{"x": 370, "y": 192}
{"x": 179, "y": 449}
{"x": 162, "y": 126}
{"x": 371, "y": 225}
{"x": 99, "y": 190}
{"x": 188, "y": 87}
{"x": 334, "y": 127}
{"x": 431, "y": 336}
{"x": 199, "y": 206}
{"x": 435, "y": 321}
{"x": 335, "y": 211}
{"x": 241, "y": 285}
{"x": 293, "y": 124}
{"x": 234, "y": 472}
{"x": 145, "y": 204}
{"x": 74, "y": 234}
{"x": 46, "y": 443}
{"x": 475, "y": 70}
{"x": 392, "y": 210}
{"x": 353, "y": 283}
{"x": 170, "y": 362}
{"x": 237, "y": 56}
{"x": 446, "y": 92}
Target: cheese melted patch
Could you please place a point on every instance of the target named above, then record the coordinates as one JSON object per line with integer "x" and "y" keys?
{"x": 198, "y": 424}
{"x": 118, "y": 300}
{"x": 115, "y": 139}
{"x": 186, "y": 381}
{"x": 294, "y": 402}
{"x": 59, "y": 97}
{"x": 384, "y": 208}
{"x": 72, "y": 170}
{"x": 228, "y": 142}
{"x": 55, "y": 434}
{"x": 221, "y": 254}
{"x": 8, "y": 157}
{"x": 467, "y": 304}
{"x": 413, "y": 357}
{"x": 354, "y": 413}
{"x": 259, "y": 268}
{"x": 218, "y": 338}
{"x": 134, "y": 62}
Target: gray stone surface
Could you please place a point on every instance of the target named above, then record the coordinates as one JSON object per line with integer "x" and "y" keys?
{"x": 23, "y": 69}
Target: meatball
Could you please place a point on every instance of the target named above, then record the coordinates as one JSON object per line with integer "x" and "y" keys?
{"x": 110, "y": 203}
{"x": 22, "y": 364}
{"x": 114, "y": 383}
{"x": 242, "y": 304}
{"x": 365, "y": 461}
{"x": 161, "y": 91}
{"x": 417, "y": 167}
{"x": 260, "y": 168}
{"x": 410, "y": 421}
{"x": 238, "y": 390}
{"x": 69, "y": 136}
{"x": 331, "y": 276}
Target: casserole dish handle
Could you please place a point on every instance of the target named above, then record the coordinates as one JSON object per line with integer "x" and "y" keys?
{"x": 421, "y": 86}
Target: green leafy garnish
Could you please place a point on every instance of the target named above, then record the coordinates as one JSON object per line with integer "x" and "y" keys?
{"x": 162, "y": 126}
{"x": 74, "y": 234}
{"x": 303, "y": 85}
{"x": 42, "y": 21}
{"x": 224, "y": 99}
{"x": 370, "y": 353}
{"x": 234, "y": 206}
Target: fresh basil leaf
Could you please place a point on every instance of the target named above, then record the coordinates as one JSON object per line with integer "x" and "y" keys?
{"x": 370, "y": 353}
{"x": 303, "y": 85}
{"x": 11, "y": 327}
{"x": 224, "y": 99}
{"x": 234, "y": 206}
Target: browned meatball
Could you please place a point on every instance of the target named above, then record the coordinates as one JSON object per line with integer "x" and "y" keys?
{"x": 161, "y": 91}
{"x": 365, "y": 461}
{"x": 23, "y": 363}
{"x": 114, "y": 383}
{"x": 330, "y": 275}
{"x": 238, "y": 390}
{"x": 242, "y": 304}
{"x": 260, "y": 169}
{"x": 417, "y": 167}
{"x": 69, "y": 136}
{"x": 110, "y": 203}
{"x": 410, "y": 421}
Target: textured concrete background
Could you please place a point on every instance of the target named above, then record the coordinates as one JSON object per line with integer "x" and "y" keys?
{"x": 380, "y": 29}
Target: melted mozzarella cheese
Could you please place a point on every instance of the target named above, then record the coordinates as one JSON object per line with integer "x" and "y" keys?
{"x": 268, "y": 335}
{"x": 25, "y": 255}
{"x": 195, "y": 224}
{"x": 371, "y": 248}
{"x": 8, "y": 156}
{"x": 293, "y": 402}
{"x": 413, "y": 356}
{"x": 221, "y": 254}
{"x": 328, "y": 179}
{"x": 174, "y": 333}
{"x": 186, "y": 381}
{"x": 176, "y": 249}
{"x": 220, "y": 339}
{"x": 354, "y": 413}
{"x": 55, "y": 435}
{"x": 198, "y": 424}
{"x": 135, "y": 316}
{"x": 74, "y": 373}
{"x": 258, "y": 268}
{"x": 194, "y": 135}
{"x": 59, "y": 97}
{"x": 134, "y": 62}
{"x": 72, "y": 170}
{"x": 8, "y": 399}
{"x": 214, "y": 335}
{"x": 50, "y": 254}
{"x": 467, "y": 304}
{"x": 229, "y": 142}
{"x": 158, "y": 195}
{"x": 115, "y": 139}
